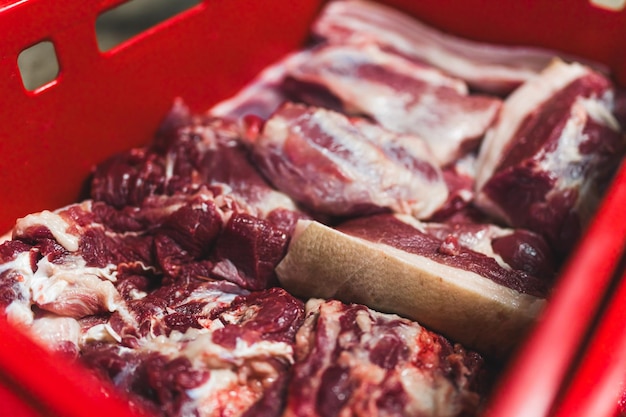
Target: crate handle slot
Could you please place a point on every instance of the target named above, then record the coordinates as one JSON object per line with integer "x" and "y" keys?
{"x": 39, "y": 66}
{"x": 117, "y": 25}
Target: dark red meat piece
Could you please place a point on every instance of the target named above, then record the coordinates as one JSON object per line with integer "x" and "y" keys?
{"x": 545, "y": 164}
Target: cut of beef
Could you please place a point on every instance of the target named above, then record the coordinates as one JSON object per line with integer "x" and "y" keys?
{"x": 402, "y": 95}
{"x": 543, "y": 165}
{"x": 248, "y": 250}
{"x": 354, "y": 361}
{"x": 486, "y": 67}
{"x": 393, "y": 263}
{"x": 195, "y": 152}
{"x": 214, "y": 351}
{"x": 54, "y": 272}
{"x": 160, "y": 283}
{"x": 193, "y": 186}
{"x": 459, "y": 177}
{"x": 339, "y": 166}
{"x": 519, "y": 249}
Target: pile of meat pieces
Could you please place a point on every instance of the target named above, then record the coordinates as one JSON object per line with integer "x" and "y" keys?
{"x": 379, "y": 121}
{"x": 164, "y": 279}
{"x": 163, "y": 284}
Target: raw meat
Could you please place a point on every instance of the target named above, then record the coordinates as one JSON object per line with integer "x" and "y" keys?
{"x": 520, "y": 249}
{"x": 203, "y": 348}
{"x": 177, "y": 237}
{"x": 202, "y": 156}
{"x": 344, "y": 167}
{"x": 188, "y": 153}
{"x": 402, "y": 95}
{"x": 485, "y": 67}
{"x": 556, "y": 144}
{"x": 354, "y": 361}
{"x": 130, "y": 293}
{"x": 459, "y": 177}
{"x": 393, "y": 263}
{"x": 161, "y": 282}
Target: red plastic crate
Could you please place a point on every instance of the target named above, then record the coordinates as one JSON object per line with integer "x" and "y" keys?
{"x": 102, "y": 103}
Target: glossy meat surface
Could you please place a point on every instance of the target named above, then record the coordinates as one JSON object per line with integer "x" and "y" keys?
{"x": 543, "y": 165}
{"x": 339, "y": 166}
{"x": 401, "y": 95}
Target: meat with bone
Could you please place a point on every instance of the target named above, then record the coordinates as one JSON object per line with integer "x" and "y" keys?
{"x": 339, "y": 166}
{"x": 391, "y": 263}
{"x": 543, "y": 164}
{"x": 485, "y": 67}
{"x": 355, "y": 361}
{"x": 402, "y": 95}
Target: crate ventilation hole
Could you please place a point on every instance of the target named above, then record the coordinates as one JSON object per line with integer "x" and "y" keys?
{"x": 119, "y": 24}
{"x": 39, "y": 66}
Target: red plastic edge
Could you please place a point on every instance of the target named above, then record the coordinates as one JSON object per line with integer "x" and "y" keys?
{"x": 50, "y": 384}
{"x": 532, "y": 383}
{"x": 598, "y": 385}
{"x": 14, "y": 405}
